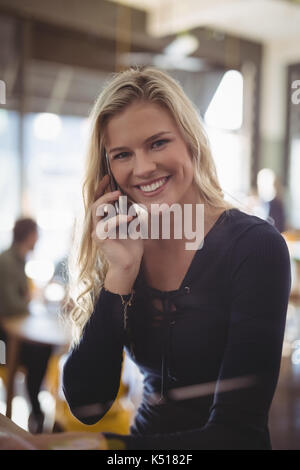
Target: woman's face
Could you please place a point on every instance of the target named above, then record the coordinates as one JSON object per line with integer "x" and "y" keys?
{"x": 148, "y": 156}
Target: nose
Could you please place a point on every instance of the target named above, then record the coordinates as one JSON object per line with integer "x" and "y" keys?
{"x": 144, "y": 166}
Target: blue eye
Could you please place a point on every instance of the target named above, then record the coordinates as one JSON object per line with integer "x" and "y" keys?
{"x": 121, "y": 155}
{"x": 159, "y": 143}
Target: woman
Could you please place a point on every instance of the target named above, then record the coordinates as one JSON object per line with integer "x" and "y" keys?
{"x": 205, "y": 326}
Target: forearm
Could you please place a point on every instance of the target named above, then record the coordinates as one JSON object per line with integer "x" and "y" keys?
{"x": 213, "y": 436}
{"x": 91, "y": 374}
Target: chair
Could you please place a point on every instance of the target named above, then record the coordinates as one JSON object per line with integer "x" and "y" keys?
{"x": 117, "y": 419}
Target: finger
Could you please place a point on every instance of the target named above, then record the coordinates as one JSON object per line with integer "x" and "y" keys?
{"x": 108, "y": 228}
{"x": 111, "y": 196}
{"x": 104, "y": 200}
{"x": 101, "y": 187}
{"x": 104, "y": 210}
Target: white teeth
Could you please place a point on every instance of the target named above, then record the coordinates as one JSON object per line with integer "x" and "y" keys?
{"x": 154, "y": 186}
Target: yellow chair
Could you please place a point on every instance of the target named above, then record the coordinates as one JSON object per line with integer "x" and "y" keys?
{"x": 117, "y": 419}
{"x": 3, "y": 372}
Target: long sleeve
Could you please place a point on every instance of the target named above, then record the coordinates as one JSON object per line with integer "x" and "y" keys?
{"x": 91, "y": 373}
{"x": 259, "y": 286}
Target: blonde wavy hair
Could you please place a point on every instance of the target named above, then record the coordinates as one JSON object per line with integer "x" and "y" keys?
{"x": 87, "y": 264}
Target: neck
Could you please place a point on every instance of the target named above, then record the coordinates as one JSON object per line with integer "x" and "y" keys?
{"x": 186, "y": 226}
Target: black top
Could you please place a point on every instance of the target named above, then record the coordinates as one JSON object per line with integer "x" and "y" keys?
{"x": 210, "y": 358}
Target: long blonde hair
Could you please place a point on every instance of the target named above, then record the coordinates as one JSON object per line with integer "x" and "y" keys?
{"x": 87, "y": 264}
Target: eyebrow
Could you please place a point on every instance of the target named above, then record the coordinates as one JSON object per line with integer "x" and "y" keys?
{"x": 149, "y": 139}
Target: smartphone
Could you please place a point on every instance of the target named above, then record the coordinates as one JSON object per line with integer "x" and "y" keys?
{"x": 113, "y": 183}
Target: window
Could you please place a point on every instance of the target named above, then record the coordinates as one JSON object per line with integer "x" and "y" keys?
{"x": 9, "y": 175}
{"x": 228, "y": 139}
{"x": 54, "y": 153}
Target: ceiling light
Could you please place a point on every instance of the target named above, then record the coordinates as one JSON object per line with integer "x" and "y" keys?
{"x": 183, "y": 45}
{"x": 41, "y": 271}
{"x": 47, "y": 126}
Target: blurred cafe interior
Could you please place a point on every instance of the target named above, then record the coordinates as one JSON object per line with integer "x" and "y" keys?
{"x": 238, "y": 61}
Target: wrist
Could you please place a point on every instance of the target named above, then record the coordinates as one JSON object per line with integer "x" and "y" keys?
{"x": 120, "y": 282}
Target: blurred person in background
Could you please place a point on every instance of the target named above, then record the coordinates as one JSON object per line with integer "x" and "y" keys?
{"x": 276, "y": 207}
{"x": 14, "y": 299}
{"x": 267, "y": 199}
{"x": 270, "y": 196}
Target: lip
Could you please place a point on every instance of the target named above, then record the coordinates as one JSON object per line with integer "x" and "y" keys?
{"x": 156, "y": 191}
{"x": 152, "y": 181}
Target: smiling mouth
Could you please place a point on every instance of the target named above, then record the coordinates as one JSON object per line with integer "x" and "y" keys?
{"x": 154, "y": 187}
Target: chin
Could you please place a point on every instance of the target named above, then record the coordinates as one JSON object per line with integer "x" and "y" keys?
{"x": 163, "y": 207}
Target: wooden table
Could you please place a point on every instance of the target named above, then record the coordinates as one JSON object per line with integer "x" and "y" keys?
{"x": 42, "y": 328}
{"x": 12, "y": 437}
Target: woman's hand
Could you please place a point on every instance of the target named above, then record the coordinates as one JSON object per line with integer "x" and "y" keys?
{"x": 123, "y": 255}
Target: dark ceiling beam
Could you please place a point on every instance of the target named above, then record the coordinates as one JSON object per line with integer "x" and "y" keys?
{"x": 73, "y": 48}
{"x": 99, "y": 18}
{"x": 225, "y": 50}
